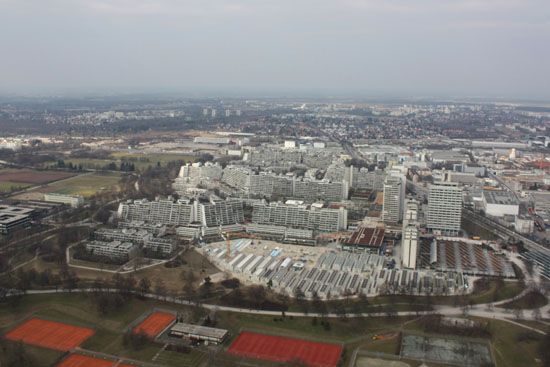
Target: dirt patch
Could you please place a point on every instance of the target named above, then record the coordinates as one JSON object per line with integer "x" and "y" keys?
{"x": 33, "y": 177}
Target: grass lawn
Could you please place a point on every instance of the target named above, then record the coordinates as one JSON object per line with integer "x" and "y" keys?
{"x": 86, "y": 185}
{"x": 529, "y": 301}
{"x": 491, "y": 294}
{"x": 39, "y": 357}
{"x": 140, "y": 160}
{"x": 508, "y": 350}
{"x": 510, "y": 346}
{"x": 8, "y": 186}
{"x": 341, "y": 331}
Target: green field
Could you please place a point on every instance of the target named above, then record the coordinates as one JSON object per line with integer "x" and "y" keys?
{"x": 510, "y": 347}
{"x": 86, "y": 185}
{"x": 7, "y": 186}
{"x": 140, "y": 160}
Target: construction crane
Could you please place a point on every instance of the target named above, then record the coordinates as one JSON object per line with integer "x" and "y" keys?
{"x": 228, "y": 236}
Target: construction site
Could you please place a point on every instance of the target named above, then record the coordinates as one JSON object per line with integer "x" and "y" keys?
{"x": 325, "y": 272}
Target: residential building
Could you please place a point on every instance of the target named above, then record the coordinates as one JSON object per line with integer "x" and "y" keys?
{"x": 394, "y": 196}
{"x": 444, "y": 208}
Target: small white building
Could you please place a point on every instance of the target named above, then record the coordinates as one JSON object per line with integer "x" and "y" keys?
{"x": 73, "y": 200}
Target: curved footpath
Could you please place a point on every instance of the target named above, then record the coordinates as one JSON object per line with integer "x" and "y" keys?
{"x": 480, "y": 310}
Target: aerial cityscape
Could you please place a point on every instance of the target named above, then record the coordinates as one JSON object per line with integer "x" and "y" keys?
{"x": 255, "y": 206}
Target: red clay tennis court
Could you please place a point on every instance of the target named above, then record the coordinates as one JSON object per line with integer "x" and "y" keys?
{"x": 50, "y": 334}
{"x": 79, "y": 360}
{"x": 281, "y": 349}
{"x": 155, "y": 323}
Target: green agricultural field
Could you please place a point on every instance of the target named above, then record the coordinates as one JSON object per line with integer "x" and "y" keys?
{"x": 86, "y": 185}
{"x": 7, "y": 186}
{"x": 13, "y": 179}
{"x": 140, "y": 160}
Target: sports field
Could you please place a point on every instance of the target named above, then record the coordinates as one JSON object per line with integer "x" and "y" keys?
{"x": 50, "y": 334}
{"x": 79, "y": 360}
{"x": 155, "y": 323}
{"x": 86, "y": 185}
{"x": 284, "y": 350}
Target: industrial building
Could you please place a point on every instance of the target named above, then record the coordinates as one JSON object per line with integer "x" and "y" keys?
{"x": 498, "y": 203}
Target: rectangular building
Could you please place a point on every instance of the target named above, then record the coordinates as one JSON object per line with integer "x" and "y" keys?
{"x": 444, "y": 208}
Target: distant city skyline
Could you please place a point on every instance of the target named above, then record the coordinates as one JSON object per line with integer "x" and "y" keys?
{"x": 361, "y": 48}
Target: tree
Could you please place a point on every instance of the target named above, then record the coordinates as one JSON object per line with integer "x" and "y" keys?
{"x": 160, "y": 288}
{"x": 144, "y": 286}
{"x": 301, "y": 301}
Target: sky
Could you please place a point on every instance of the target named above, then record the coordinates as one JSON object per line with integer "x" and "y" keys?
{"x": 413, "y": 48}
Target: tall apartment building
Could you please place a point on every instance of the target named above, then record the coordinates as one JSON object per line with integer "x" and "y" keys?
{"x": 237, "y": 177}
{"x": 370, "y": 180}
{"x": 208, "y": 170}
{"x": 220, "y": 213}
{"x": 177, "y": 213}
{"x": 410, "y": 246}
{"x": 394, "y": 196}
{"x": 313, "y": 190}
{"x": 409, "y": 243}
{"x": 182, "y": 213}
{"x": 444, "y": 208}
{"x": 266, "y": 184}
{"x": 300, "y": 216}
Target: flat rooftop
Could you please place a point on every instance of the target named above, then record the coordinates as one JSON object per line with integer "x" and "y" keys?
{"x": 8, "y": 218}
{"x": 367, "y": 236}
{"x": 500, "y": 197}
{"x": 11, "y": 209}
{"x": 204, "y": 331}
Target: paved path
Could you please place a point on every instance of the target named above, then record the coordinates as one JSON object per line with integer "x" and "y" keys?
{"x": 480, "y": 310}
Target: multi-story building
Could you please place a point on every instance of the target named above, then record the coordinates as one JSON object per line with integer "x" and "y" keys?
{"x": 139, "y": 237}
{"x": 115, "y": 249}
{"x": 73, "y": 200}
{"x": 183, "y": 213}
{"x": 300, "y": 216}
{"x": 500, "y": 203}
{"x": 237, "y": 177}
{"x": 394, "y": 196}
{"x": 14, "y": 217}
{"x": 158, "y": 211}
{"x": 444, "y": 208}
{"x": 220, "y": 213}
{"x": 410, "y": 246}
{"x": 409, "y": 243}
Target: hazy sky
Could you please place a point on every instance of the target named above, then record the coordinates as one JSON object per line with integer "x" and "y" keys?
{"x": 400, "y": 47}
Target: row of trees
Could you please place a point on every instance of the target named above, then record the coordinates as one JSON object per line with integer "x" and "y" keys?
{"x": 124, "y": 166}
